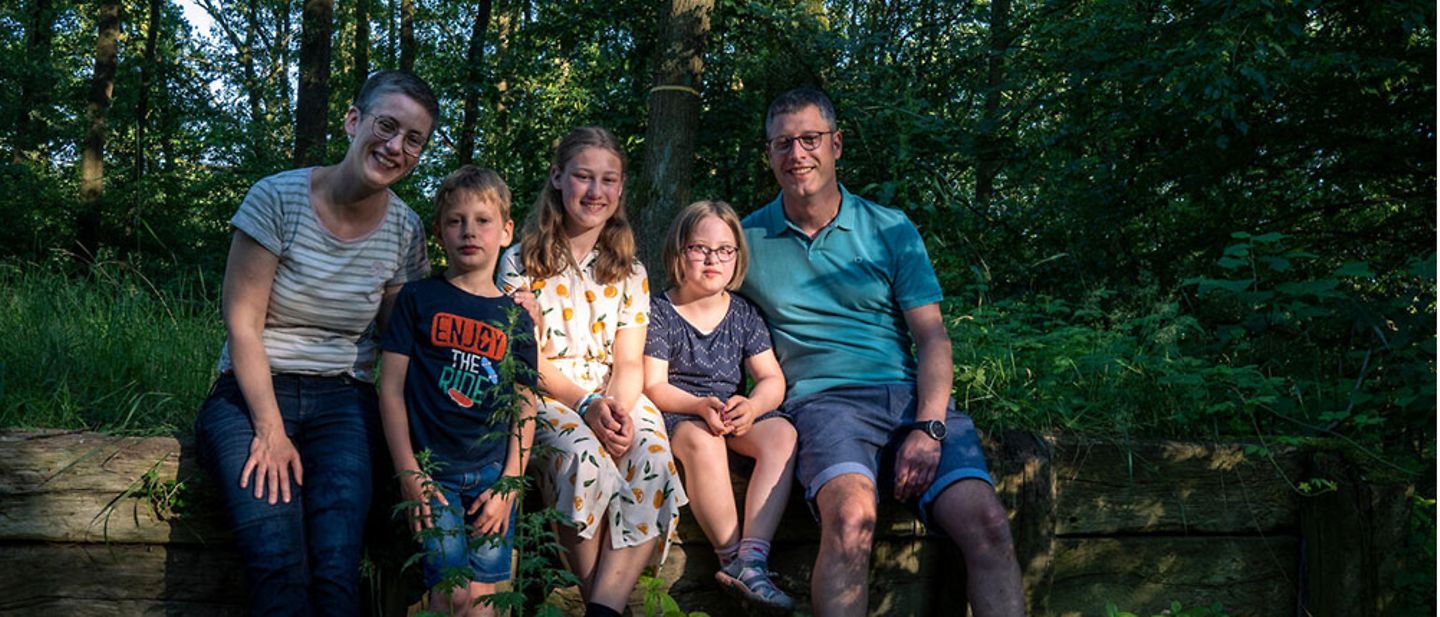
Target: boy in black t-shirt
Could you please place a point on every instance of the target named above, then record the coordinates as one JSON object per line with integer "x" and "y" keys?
{"x": 442, "y": 391}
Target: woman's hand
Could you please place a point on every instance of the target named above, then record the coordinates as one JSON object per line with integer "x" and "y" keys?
{"x": 739, "y": 415}
{"x": 273, "y": 459}
{"x": 417, "y": 487}
{"x": 611, "y": 425}
{"x": 712, "y": 411}
{"x": 494, "y": 511}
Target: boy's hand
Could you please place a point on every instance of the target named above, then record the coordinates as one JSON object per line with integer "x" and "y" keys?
{"x": 494, "y": 511}
{"x": 739, "y": 415}
{"x": 416, "y": 487}
{"x": 712, "y": 411}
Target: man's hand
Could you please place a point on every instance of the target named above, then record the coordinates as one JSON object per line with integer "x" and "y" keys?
{"x": 274, "y": 459}
{"x": 494, "y": 511}
{"x": 915, "y": 465}
{"x": 739, "y": 415}
{"x": 416, "y": 487}
{"x": 712, "y": 411}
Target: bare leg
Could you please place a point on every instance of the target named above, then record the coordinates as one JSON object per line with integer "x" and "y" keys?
{"x": 772, "y": 445}
{"x": 617, "y": 572}
{"x": 707, "y": 482}
{"x": 972, "y": 516}
{"x": 464, "y": 601}
{"x": 582, "y": 555}
{"x": 839, "y": 586}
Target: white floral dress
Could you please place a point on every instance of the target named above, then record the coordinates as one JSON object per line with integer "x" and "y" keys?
{"x": 579, "y": 319}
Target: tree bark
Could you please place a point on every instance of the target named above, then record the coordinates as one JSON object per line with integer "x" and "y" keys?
{"x": 989, "y": 147}
{"x": 281, "y": 58}
{"x": 36, "y": 83}
{"x": 473, "y": 77}
{"x": 362, "y": 43}
{"x": 313, "y": 101}
{"x": 407, "y": 35}
{"x": 92, "y": 151}
{"x": 147, "y": 79}
{"x": 674, "y": 117}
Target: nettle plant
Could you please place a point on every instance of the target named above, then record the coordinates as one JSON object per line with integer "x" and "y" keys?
{"x": 1312, "y": 348}
{"x": 537, "y": 572}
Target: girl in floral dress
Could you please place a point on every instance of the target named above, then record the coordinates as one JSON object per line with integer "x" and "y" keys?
{"x": 601, "y": 446}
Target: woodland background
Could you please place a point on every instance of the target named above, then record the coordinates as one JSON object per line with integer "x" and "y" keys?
{"x": 1193, "y": 219}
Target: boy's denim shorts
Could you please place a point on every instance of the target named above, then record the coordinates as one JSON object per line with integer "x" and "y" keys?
{"x": 858, "y": 429}
{"x": 449, "y": 547}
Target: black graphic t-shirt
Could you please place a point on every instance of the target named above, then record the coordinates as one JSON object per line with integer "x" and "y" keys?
{"x": 453, "y": 387}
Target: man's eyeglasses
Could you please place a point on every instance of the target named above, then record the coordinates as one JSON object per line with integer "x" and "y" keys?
{"x": 809, "y": 140}
{"x": 386, "y": 128}
{"x": 700, "y": 252}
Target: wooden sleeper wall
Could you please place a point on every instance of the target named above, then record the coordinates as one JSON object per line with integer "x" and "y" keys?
{"x": 88, "y": 526}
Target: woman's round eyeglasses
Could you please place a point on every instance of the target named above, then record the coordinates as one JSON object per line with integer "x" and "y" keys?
{"x": 386, "y": 128}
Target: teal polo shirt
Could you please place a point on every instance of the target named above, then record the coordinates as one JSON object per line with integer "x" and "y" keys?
{"x": 835, "y": 303}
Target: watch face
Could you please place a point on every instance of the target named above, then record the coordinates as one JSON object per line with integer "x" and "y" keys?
{"x": 936, "y": 429}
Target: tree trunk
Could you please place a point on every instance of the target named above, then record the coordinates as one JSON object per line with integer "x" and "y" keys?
{"x": 281, "y": 59}
{"x": 674, "y": 116}
{"x": 36, "y": 83}
{"x": 989, "y": 147}
{"x": 92, "y": 151}
{"x": 407, "y": 35}
{"x": 362, "y": 44}
{"x": 147, "y": 78}
{"x": 473, "y": 77}
{"x": 390, "y": 46}
{"x": 313, "y": 102}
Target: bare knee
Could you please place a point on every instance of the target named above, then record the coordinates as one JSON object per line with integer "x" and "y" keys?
{"x": 976, "y": 520}
{"x": 696, "y": 446}
{"x": 776, "y": 446}
{"x": 847, "y": 515}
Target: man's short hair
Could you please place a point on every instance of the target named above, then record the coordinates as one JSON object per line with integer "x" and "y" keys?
{"x": 798, "y": 99}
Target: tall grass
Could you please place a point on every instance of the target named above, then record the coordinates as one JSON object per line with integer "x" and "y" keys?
{"x": 107, "y": 351}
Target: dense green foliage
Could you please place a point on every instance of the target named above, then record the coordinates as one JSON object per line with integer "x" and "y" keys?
{"x": 1174, "y": 217}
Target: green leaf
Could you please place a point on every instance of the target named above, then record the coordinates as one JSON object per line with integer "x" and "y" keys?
{"x": 1231, "y": 263}
{"x": 1319, "y": 288}
{"x": 1278, "y": 264}
{"x": 1355, "y": 268}
{"x": 1207, "y": 284}
{"x": 1273, "y": 236}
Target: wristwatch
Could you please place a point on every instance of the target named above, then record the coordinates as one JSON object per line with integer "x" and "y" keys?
{"x": 934, "y": 429}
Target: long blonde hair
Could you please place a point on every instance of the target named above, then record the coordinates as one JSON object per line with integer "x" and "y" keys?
{"x": 544, "y": 251}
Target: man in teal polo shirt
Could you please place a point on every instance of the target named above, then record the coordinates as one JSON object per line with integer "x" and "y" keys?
{"x": 847, "y": 288}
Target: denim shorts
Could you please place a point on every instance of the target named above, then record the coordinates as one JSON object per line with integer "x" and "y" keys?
{"x": 449, "y": 547}
{"x": 858, "y": 429}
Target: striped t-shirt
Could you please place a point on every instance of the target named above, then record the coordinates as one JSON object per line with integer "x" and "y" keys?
{"x": 327, "y": 291}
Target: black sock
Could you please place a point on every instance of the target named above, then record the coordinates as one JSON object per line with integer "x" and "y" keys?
{"x": 593, "y": 609}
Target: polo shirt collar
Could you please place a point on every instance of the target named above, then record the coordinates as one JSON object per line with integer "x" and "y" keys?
{"x": 844, "y": 220}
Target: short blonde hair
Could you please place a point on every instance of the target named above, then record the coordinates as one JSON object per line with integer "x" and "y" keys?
{"x": 685, "y": 224}
{"x": 472, "y": 181}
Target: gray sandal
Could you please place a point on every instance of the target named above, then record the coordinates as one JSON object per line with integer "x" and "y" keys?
{"x": 750, "y": 581}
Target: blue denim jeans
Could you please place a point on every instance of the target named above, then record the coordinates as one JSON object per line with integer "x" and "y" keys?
{"x": 449, "y": 547}
{"x": 302, "y": 557}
